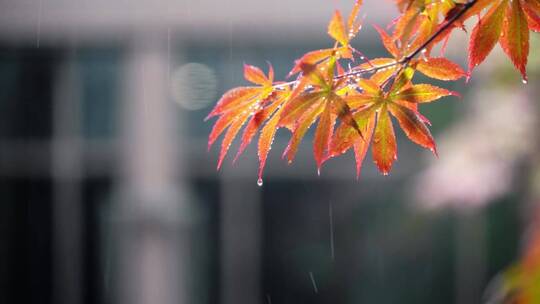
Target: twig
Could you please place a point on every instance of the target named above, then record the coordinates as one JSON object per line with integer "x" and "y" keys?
{"x": 405, "y": 60}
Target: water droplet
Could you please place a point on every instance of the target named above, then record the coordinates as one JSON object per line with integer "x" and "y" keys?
{"x": 260, "y": 182}
{"x": 319, "y": 171}
{"x": 362, "y": 57}
{"x": 385, "y": 173}
{"x": 524, "y": 81}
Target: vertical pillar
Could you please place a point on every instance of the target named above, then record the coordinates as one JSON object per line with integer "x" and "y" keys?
{"x": 151, "y": 236}
{"x": 66, "y": 173}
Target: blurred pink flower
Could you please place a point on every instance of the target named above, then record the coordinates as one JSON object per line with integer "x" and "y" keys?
{"x": 479, "y": 155}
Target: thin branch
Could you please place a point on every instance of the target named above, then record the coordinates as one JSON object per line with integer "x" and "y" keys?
{"x": 450, "y": 22}
{"x": 405, "y": 60}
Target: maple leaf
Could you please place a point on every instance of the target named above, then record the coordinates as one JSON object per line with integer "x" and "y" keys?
{"x": 439, "y": 68}
{"x": 238, "y": 104}
{"x": 388, "y": 42}
{"x": 507, "y": 22}
{"x": 374, "y": 111}
{"x": 418, "y": 22}
{"x": 486, "y": 34}
{"x": 403, "y": 5}
{"x": 384, "y": 141}
{"x": 321, "y": 104}
{"x": 456, "y": 16}
{"x": 346, "y": 137}
{"x": 426, "y": 26}
{"x": 532, "y": 10}
{"x": 315, "y": 57}
{"x": 515, "y": 36}
{"x": 269, "y": 131}
{"x": 342, "y": 33}
{"x": 406, "y": 25}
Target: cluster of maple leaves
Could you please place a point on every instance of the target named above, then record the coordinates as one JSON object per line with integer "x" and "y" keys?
{"x": 353, "y": 108}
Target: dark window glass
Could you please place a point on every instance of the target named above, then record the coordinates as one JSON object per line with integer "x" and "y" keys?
{"x": 96, "y": 194}
{"x": 25, "y": 249}
{"x": 26, "y": 92}
{"x": 100, "y": 72}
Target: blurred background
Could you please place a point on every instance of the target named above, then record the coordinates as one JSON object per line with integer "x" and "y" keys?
{"x": 108, "y": 193}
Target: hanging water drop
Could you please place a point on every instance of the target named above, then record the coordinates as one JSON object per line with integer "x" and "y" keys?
{"x": 318, "y": 171}
{"x": 524, "y": 81}
{"x": 260, "y": 182}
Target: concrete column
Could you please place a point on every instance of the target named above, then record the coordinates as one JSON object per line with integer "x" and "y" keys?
{"x": 151, "y": 236}
{"x": 66, "y": 173}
